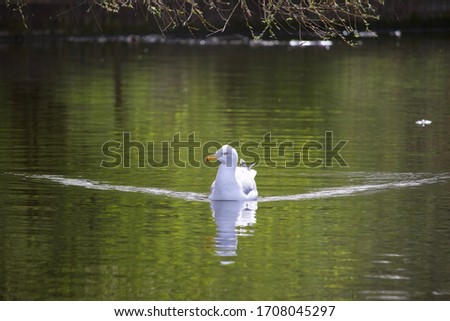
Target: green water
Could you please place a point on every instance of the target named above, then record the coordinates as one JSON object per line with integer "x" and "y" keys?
{"x": 376, "y": 229}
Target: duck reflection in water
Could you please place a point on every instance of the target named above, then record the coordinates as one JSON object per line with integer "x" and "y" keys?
{"x": 232, "y": 219}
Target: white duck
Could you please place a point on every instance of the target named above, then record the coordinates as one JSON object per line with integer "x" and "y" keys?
{"x": 232, "y": 183}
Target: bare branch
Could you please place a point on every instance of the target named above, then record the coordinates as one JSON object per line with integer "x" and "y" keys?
{"x": 323, "y": 18}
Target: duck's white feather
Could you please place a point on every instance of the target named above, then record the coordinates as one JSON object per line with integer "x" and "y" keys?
{"x": 233, "y": 183}
{"x": 247, "y": 178}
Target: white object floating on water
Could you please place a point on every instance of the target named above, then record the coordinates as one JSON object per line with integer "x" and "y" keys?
{"x": 310, "y": 43}
{"x": 232, "y": 183}
{"x": 366, "y": 34}
{"x": 360, "y": 34}
{"x": 423, "y": 122}
{"x": 395, "y": 33}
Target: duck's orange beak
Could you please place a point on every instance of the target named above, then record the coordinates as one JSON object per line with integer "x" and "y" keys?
{"x": 210, "y": 158}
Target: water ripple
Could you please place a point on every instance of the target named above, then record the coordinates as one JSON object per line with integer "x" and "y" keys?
{"x": 360, "y": 189}
{"x": 89, "y": 184}
{"x": 400, "y": 181}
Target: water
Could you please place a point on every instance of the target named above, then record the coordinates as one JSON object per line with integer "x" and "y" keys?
{"x": 376, "y": 229}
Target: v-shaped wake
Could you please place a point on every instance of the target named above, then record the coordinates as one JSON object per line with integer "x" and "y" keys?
{"x": 399, "y": 181}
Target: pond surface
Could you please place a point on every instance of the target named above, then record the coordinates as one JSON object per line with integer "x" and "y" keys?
{"x": 354, "y": 195}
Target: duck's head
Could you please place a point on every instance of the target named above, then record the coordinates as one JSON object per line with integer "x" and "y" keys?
{"x": 227, "y": 155}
